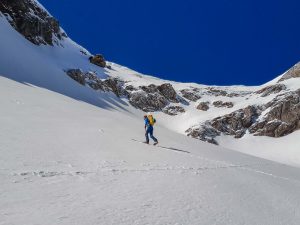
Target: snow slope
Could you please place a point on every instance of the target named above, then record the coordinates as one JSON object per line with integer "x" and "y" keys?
{"x": 284, "y": 149}
{"x": 67, "y": 154}
{"x": 64, "y": 161}
{"x": 45, "y": 66}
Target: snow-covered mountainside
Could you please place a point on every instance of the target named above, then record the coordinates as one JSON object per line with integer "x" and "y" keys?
{"x": 233, "y": 116}
{"x": 68, "y": 119}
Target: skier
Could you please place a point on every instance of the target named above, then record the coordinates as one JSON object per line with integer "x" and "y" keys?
{"x": 149, "y": 122}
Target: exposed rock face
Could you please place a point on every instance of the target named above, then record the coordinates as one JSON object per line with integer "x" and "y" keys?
{"x": 148, "y": 102}
{"x": 168, "y": 92}
{"x": 234, "y": 94}
{"x": 234, "y": 124}
{"x": 219, "y": 92}
{"x": 173, "y": 110}
{"x": 220, "y": 104}
{"x": 152, "y": 98}
{"x": 77, "y": 75}
{"x": 91, "y": 79}
{"x": 87, "y": 78}
{"x": 294, "y": 72}
{"x": 116, "y": 86}
{"x": 147, "y": 98}
{"x": 204, "y": 133}
{"x": 98, "y": 60}
{"x": 281, "y": 117}
{"x": 150, "y": 89}
{"x": 191, "y": 95}
{"x": 204, "y": 106}
{"x": 130, "y": 88}
{"x": 34, "y": 23}
{"x": 272, "y": 89}
{"x": 216, "y": 92}
{"x": 94, "y": 82}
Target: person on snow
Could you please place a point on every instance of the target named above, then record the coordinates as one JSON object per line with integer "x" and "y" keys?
{"x": 149, "y": 122}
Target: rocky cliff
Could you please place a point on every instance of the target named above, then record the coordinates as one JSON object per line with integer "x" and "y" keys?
{"x": 32, "y": 21}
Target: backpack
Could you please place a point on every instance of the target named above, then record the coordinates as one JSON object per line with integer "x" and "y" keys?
{"x": 151, "y": 119}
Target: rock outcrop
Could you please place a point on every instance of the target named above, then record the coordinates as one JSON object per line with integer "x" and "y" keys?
{"x": 173, "y": 110}
{"x": 220, "y": 104}
{"x": 147, "y": 98}
{"x": 282, "y": 118}
{"x": 216, "y": 92}
{"x": 98, "y": 60}
{"x": 277, "y": 118}
{"x": 148, "y": 102}
{"x": 204, "y": 106}
{"x": 152, "y": 98}
{"x": 294, "y": 72}
{"x": 77, "y": 75}
{"x": 92, "y": 80}
{"x": 168, "y": 92}
{"x": 204, "y": 133}
{"x": 191, "y": 94}
{"x": 271, "y": 89}
{"x": 33, "y": 22}
{"x": 234, "y": 124}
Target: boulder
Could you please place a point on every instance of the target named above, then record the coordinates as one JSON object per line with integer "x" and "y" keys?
{"x": 98, "y": 60}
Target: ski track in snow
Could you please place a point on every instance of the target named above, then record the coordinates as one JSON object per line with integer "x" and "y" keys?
{"x": 108, "y": 168}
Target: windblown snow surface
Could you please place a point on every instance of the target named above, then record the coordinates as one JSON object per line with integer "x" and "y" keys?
{"x": 67, "y": 155}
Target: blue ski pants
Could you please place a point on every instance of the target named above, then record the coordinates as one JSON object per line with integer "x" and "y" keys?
{"x": 149, "y": 130}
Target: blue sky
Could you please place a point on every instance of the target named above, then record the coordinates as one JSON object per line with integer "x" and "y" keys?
{"x": 218, "y": 42}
